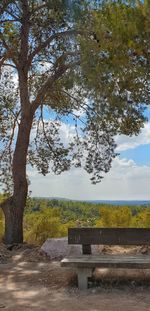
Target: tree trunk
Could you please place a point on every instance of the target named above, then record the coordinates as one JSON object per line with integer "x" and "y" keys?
{"x": 14, "y": 207}
{"x": 13, "y": 223}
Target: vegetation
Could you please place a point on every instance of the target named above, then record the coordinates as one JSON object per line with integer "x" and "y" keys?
{"x": 44, "y": 224}
{"x": 51, "y": 218}
{"x": 67, "y": 56}
{"x": 118, "y": 217}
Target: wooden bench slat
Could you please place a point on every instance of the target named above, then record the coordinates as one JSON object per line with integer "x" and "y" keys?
{"x": 109, "y": 236}
{"x": 107, "y": 261}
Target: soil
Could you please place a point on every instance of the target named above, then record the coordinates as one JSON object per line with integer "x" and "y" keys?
{"x": 30, "y": 281}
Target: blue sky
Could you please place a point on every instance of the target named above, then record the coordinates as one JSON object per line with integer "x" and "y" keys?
{"x": 140, "y": 154}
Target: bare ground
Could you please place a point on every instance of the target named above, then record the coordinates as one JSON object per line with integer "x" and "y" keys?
{"x": 29, "y": 281}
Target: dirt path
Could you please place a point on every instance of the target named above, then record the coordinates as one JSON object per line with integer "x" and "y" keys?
{"x": 43, "y": 286}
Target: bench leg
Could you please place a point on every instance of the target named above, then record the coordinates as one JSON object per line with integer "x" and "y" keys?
{"x": 83, "y": 274}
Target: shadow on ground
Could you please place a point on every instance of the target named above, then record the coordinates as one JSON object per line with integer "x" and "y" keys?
{"x": 42, "y": 286}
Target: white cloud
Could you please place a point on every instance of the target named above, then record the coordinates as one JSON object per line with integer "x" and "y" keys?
{"x": 126, "y": 180}
{"x": 128, "y": 170}
{"x": 67, "y": 133}
{"x": 125, "y": 142}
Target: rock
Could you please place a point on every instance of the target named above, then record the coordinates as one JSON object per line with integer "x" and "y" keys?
{"x": 57, "y": 248}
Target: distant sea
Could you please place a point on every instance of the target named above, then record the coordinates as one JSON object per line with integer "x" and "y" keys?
{"x": 121, "y": 202}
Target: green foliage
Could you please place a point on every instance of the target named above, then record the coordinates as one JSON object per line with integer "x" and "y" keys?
{"x": 46, "y": 218}
{"x": 85, "y": 213}
{"x": 119, "y": 217}
{"x": 44, "y": 224}
{"x": 142, "y": 219}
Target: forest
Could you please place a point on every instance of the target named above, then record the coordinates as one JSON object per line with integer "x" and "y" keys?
{"x": 50, "y": 218}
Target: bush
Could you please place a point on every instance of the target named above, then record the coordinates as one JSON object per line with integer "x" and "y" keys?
{"x": 118, "y": 217}
{"x": 42, "y": 225}
{"x": 142, "y": 219}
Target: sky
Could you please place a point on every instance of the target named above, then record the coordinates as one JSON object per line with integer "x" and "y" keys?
{"x": 128, "y": 179}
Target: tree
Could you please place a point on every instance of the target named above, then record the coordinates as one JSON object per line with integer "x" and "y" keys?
{"x": 142, "y": 219}
{"x": 67, "y": 56}
{"x": 111, "y": 216}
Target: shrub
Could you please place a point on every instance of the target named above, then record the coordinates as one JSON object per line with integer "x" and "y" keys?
{"x": 142, "y": 219}
{"x": 114, "y": 217}
{"x": 42, "y": 225}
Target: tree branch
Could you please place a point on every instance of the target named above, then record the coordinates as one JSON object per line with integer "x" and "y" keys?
{"x": 9, "y": 50}
{"x": 49, "y": 84}
{"x": 23, "y": 58}
{"x": 38, "y": 8}
{"x": 15, "y": 115}
{"x": 24, "y": 34}
{"x": 4, "y": 57}
{"x": 10, "y": 65}
{"x": 49, "y": 40}
{"x": 8, "y": 20}
{"x": 12, "y": 15}
{"x": 44, "y": 131}
{"x": 11, "y": 139}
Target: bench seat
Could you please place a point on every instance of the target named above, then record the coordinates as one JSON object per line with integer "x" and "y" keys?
{"x": 85, "y": 264}
{"x": 108, "y": 261}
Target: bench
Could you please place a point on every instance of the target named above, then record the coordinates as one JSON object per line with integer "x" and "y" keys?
{"x": 86, "y": 263}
